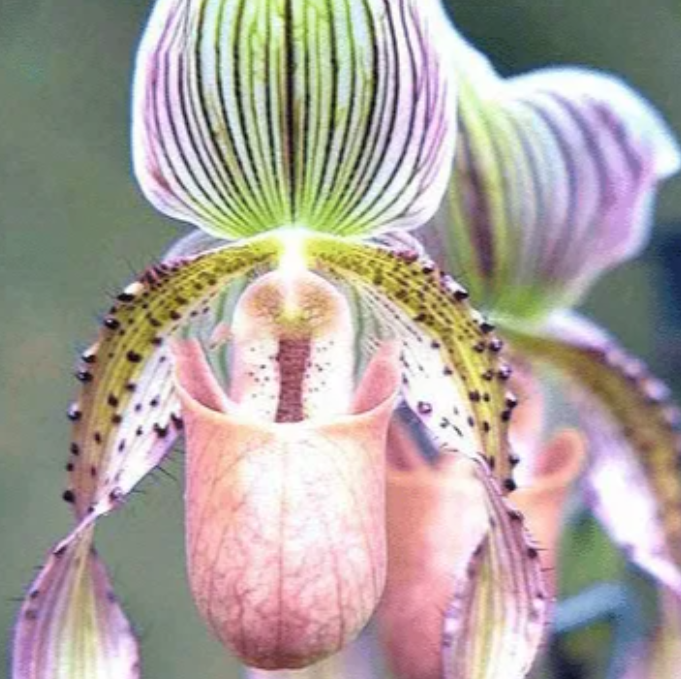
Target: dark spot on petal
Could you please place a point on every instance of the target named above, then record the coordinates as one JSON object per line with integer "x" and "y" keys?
{"x": 68, "y": 496}
{"x": 74, "y": 413}
{"x": 424, "y": 408}
{"x": 515, "y": 515}
{"x": 162, "y": 432}
{"x": 496, "y": 345}
{"x": 504, "y": 372}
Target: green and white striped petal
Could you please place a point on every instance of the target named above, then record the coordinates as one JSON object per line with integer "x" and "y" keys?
{"x": 332, "y": 115}
{"x": 554, "y": 181}
{"x": 126, "y": 418}
{"x": 71, "y": 626}
{"x": 632, "y": 429}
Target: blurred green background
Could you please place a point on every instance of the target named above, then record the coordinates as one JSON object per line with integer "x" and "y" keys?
{"x": 73, "y": 229}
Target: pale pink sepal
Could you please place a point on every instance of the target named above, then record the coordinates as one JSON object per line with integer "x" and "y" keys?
{"x": 285, "y": 522}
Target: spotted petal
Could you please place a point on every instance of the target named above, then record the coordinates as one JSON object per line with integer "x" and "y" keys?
{"x": 454, "y": 378}
{"x": 125, "y": 421}
{"x": 633, "y": 440}
{"x": 254, "y": 114}
{"x": 554, "y": 181}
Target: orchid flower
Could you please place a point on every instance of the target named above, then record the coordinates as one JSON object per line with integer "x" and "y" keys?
{"x": 304, "y": 138}
{"x": 554, "y": 182}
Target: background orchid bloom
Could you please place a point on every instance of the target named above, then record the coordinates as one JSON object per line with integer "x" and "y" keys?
{"x": 304, "y": 137}
{"x": 554, "y": 183}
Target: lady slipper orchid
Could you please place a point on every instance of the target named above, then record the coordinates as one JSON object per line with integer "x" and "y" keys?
{"x": 554, "y": 181}
{"x": 305, "y": 138}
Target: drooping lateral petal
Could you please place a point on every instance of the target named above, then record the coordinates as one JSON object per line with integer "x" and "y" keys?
{"x": 125, "y": 421}
{"x": 337, "y": 116}
{"x": 71, "y": 625}
{"x": 285, "y": 521}
{"x": 497, "y": 618}
{"x": 633, "y": 440}
{"x": 554, "y": 181}
{"x": 464, "y": 597}
{"x": 127, "y": 415}
{"x": 453, "y": 377}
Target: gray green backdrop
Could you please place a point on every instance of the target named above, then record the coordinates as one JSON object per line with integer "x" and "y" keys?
{"x": 73, "y": 229}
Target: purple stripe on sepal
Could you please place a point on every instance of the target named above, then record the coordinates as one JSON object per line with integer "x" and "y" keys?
{"x": 578, "y": 156}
